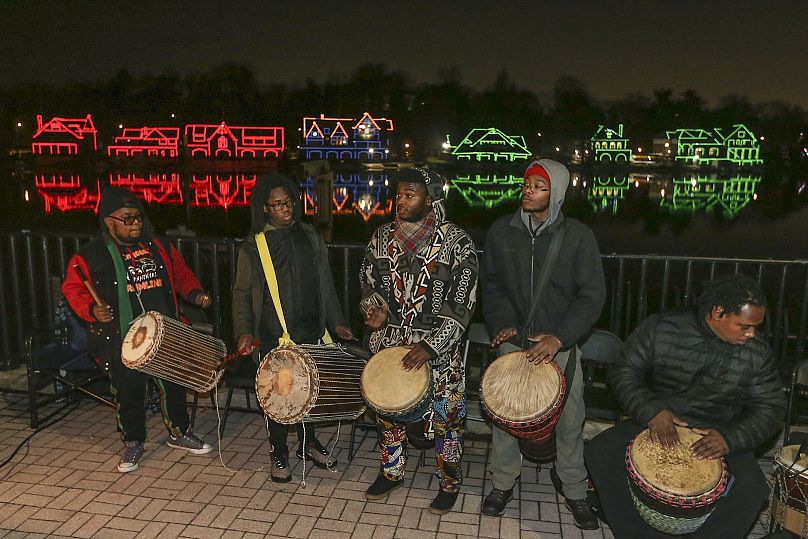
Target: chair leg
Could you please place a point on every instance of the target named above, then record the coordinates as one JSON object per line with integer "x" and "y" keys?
{"x": 247, "y": 397}
{"x": 351, "y": 440}
{"x": 226, "y": 411}
{"x": 423, "y": 457}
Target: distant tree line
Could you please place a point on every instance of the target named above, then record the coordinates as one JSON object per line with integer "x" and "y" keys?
{"x": 423, "y": 113}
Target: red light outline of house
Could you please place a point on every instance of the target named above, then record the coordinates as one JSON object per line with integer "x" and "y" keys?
{"x": 74, "y": 130}
{"x": 158, "y": 188}
{"x": 146, "y": 141}
{"x": 67, "y": 196}
{"x": 222, "y": 140}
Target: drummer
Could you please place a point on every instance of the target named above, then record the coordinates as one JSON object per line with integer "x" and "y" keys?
{"x": 703, "y": 368}
{"x": 419, "y": 284}
{"x": 516, "y": 250}
{"x": 307, "y": 296}
{"x": 132, "y": 272}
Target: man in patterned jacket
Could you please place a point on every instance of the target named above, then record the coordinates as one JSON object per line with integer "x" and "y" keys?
{"x": 419, "y": 284}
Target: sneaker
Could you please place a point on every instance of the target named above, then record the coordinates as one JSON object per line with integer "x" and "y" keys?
{"x": 191, "y": 443}
{"x": 443, "y": 502}
{"x": 317, "y": 455}
{"x": 132, "y": 453}
{"x": 584, "y": 518}
{"x": 494, "y": 504}
{"x": 381, "y": 488}
{"x": 280, "y": 472}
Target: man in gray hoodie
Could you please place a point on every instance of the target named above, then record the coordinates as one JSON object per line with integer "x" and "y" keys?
{"x": 516, "y": 251}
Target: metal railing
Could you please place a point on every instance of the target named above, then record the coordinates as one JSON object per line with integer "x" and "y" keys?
{"x": 32, "y": 266}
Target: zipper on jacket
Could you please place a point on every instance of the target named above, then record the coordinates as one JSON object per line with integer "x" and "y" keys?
{"x": 529, "y": 323}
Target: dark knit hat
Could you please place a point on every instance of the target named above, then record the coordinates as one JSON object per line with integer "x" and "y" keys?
{"x": 432, "y": 180}
{"x": 114, "y": 198}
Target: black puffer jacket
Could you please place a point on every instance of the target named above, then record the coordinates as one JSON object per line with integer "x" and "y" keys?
{"x": 674, "y": 361}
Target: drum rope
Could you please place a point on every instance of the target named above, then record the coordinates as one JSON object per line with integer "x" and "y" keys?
{"x": 219, "y": 428}
{"x": 303, "y": 424}
{"x": 333, "y": 448}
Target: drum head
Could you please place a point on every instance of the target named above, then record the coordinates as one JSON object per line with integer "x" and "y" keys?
{"x": 286, "y": 384}
{"x": 142, "y": 339}
{"x": 387, "y": 387}
{"x": 675, "y": 471}
{"x": 785, "y": 457}
{"x": 516, "y": 390}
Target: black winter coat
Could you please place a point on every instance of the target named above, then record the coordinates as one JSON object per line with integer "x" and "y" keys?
{"x": 673, "y": 360}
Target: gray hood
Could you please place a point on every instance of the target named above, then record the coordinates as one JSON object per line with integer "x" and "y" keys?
{"x": 559, "y": 181}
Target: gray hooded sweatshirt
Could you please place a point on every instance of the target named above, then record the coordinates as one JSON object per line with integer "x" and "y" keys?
{"x": 515, "y": 252}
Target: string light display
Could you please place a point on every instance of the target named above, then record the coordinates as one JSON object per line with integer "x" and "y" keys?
{"x": 227, "y": 141}
{"x": 156, "y": 142}
{"x": 64, "y": 136}
{"x": 609, "y": 145}
{"x": 490, "y": 144}
{"x": 346, "y": 138}
{"x": 738, "y": 147}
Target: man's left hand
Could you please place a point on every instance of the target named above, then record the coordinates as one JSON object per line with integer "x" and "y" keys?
{"x": 544, "y": 348}
{"x": 416, "y": 357}
{"x": 202, "y": 300}
{"x": 344, "y": 332}
{"x": 711, "y": 446}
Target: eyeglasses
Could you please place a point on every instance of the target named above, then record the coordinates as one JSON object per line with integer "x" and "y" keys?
{"x": 129, "y": 220}
{"x": 278, "y": 205}
{"x": 536, "y": 187}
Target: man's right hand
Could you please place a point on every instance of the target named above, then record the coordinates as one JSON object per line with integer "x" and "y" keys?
{"x": 245, "y": 344}
{"x": 103, "y": 312}
{"x": 663, "y": 428}
{"x": 376, "y": 318}
{"x": 503, "y": 336}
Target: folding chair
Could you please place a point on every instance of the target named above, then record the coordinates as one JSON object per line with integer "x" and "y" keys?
{"x": 239, "y": 376}
{"x": 63, "y": 360}
{"x": 600, "y": 350}
{"x": 794, "y": 413}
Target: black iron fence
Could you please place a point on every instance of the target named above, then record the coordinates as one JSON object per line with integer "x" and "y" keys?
{"x": 32, "y": 266}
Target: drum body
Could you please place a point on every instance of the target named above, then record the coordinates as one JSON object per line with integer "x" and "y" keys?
{"x": 170, "y": 350}
{"x": 789, "y": 501}
{"x": 673, "y": 491}
{"x": 396, "y": 394}
{"x": 525, "y": 400}
{"x": 309, "y": 382}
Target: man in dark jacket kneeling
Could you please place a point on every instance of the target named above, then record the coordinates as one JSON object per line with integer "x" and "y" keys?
{"x": 703, "y": 369}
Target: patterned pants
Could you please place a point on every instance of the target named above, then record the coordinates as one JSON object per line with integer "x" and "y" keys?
{"x": 449, "y": 421}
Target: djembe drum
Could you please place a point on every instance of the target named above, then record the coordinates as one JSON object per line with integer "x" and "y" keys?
{"x": 789, "y": 501}
{"x": 673, "y": 491}
{"x": 311, "y": 382}
{"x": 525, "y": 400}
{"x": 160, "y": 346}
{"x": 403, "y": 396}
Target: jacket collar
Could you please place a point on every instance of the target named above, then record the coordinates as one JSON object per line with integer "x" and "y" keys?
{"x": 516, "y": 222}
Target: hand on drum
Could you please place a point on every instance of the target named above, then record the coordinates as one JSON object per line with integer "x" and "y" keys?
{"x": 544, "y": 348}
{"x": 103, "y": 312}
{"x": 662, "y": 428}
{"x": 416, "y": 357}
{"x": 376, "y": 317}
{"x": 503, "y": 336}
{"x": 711, "y": 446}
{"x": 344, "y": 332}
{"x": 246, "y": 344}
{"x": 202, "y": 300}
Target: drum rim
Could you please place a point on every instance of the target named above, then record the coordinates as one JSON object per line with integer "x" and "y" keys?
{"x": 796, "y": 469}
{"x": 314, "y": 384}
{"x": 536, "y": 418}
{"x": 155, "y": 344}
{"x": 411, "y": 407}
{"x": 698, "y": 500}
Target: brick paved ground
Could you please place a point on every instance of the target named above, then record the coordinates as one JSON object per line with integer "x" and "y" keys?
{"x": 64, "y": 483}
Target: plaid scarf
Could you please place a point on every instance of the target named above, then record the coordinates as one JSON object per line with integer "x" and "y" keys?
{"x": 412, "y": 237}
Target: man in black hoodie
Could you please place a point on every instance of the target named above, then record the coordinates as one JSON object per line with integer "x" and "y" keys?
{"x": 306, "y": 292}
{"x": 705, "y": 369}
{"x": 516, "y": 252}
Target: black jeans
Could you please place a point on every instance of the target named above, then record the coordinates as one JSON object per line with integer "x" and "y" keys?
{"x": 278, "y": 434}
{"x": 130, "y": 386}
{"x": 732, "y": 518}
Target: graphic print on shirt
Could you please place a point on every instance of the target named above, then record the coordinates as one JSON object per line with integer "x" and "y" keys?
{"x": 141, "y": 271}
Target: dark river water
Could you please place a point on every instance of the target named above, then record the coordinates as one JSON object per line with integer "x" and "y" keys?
{"x": 736, "y": 214}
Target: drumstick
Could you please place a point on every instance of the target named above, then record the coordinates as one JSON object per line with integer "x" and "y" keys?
{"x": 89, "y": 286}
{"x": 233, "y": 355}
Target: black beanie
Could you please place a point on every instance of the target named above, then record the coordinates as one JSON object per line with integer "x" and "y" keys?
{"x": 432, "y": 180}
{"x": 114, "y": 198}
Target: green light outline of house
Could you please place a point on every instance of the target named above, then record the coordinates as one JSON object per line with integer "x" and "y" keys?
{"x": 613, "y": 153}
{"x": 517, "y": 141}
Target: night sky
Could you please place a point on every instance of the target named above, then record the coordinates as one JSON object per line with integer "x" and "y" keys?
{"x": 716, "y": 47}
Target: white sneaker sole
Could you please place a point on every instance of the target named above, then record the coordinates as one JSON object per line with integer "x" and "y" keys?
{"x": 203, "y": 451}
{"x": 124, "y": 468}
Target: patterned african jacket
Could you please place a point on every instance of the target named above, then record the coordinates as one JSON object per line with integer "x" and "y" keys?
{"x": 431, "y": 298}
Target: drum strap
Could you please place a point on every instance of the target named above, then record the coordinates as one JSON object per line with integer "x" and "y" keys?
{"x": 544, "y": 276}
{"x": 272, "y": 283}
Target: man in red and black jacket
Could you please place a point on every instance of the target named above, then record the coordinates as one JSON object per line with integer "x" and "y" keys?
{"x": 132, "y": 272}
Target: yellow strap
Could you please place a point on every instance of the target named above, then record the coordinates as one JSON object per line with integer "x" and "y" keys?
{"x": 272, "y": 283}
